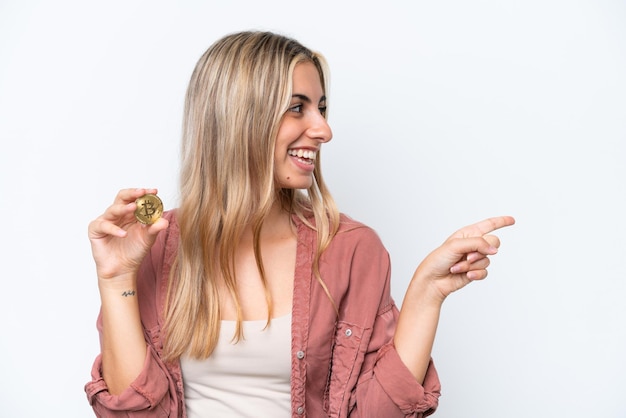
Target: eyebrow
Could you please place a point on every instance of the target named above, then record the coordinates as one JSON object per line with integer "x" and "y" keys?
{"x": 306, "y": 99}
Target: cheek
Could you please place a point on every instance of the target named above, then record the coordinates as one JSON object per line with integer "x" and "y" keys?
{"x": 288, "y": 132}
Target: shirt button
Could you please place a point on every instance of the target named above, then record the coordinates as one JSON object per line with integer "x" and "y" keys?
{"x": 300, "y": 410}
{"x": 300, "y": 355}
{"x": 348, "y": 332}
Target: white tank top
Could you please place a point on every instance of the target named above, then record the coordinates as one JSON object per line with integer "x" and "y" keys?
{"x": 248, "y": 379}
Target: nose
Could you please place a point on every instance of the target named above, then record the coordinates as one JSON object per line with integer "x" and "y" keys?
{"x": 319, "y": 129}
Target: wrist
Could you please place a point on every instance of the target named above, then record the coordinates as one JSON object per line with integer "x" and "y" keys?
{"x": 118, "y": 284}
{"x": 422, "y": 291}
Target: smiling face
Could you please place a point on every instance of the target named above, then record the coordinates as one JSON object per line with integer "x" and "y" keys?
{"x": 303, "y": 129}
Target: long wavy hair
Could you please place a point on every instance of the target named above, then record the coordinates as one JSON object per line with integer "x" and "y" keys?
{"x": 237, "y": 96}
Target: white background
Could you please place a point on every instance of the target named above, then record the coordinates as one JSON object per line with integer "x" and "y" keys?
{"x": 444, "y": 113}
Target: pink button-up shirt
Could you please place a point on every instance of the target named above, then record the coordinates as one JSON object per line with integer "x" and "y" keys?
{"x": 342, "y": 366}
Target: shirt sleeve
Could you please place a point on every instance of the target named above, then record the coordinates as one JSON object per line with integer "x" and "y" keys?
{"x": 390, "y": 386}
{"x": 385, "y": 386}
{"x": 147, "y": 396}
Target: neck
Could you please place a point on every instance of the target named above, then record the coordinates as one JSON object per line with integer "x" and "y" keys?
{"x": 277, "y": 225}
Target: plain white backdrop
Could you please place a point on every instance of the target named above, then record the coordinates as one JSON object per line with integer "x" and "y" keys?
{"x": 444, "y": 113}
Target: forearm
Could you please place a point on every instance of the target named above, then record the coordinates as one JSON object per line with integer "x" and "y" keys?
{"x": 416, "y": 328}
{"x": 123, "y": 343}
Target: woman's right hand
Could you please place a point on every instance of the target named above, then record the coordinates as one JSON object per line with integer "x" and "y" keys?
{"x": 118, "y": 241}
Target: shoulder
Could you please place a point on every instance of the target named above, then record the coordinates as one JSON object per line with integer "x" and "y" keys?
{"x": 349, "y": 224}
{"x": 351, "y": 230}
{"x": 355, "y": 240}
{"x": 356, "y": 254}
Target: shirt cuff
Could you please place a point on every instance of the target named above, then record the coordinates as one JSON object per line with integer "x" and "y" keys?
{"x": 402, "y": 387}
{"x": 145, "y": 392}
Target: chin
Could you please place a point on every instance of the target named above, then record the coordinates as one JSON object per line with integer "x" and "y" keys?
{"x": 296, "y": 185}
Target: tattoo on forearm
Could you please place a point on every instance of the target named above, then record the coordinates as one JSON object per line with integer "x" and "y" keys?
{"x": 128, "y": 293}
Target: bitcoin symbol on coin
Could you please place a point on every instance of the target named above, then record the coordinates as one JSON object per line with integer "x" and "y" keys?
{"x": 149, "y": 209}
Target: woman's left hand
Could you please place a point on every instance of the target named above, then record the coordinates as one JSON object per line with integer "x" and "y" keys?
{"x": 462, "y": 258}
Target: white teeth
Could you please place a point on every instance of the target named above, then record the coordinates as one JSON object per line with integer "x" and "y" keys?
{"x": 301, "y": 153}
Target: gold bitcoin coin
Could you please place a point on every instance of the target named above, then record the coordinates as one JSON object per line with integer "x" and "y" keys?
{"x": 149, "y": 209}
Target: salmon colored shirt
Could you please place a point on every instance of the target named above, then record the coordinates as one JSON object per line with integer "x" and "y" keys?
{"x": 342, "y": 366}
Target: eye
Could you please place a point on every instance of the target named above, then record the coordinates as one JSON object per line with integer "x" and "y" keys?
{"x": 296, "y": 108}
{"x": 322, "y": 110}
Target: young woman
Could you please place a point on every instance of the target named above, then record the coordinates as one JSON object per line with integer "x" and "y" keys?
{"x": 256, "y": 297}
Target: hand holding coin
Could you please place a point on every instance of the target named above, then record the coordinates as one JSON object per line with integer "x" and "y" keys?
{"x": 149, "y": 209}
{"x": 122, "y": 235}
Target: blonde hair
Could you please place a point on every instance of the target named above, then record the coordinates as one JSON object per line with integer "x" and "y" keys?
{"x": 237, "y": 95}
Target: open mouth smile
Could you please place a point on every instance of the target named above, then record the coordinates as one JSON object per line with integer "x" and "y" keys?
{"x": 303, "y": 156}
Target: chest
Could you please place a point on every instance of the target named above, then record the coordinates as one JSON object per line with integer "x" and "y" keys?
{"x": 256, "y": 369}
{"x": 261, "y": 285}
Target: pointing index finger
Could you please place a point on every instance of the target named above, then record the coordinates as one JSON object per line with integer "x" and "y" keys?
{"x": 486, "y": 226}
